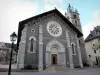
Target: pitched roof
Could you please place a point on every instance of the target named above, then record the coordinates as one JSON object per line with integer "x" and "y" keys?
{"x": 7, "y": 46}
{"x": 21, "y": 24}
{"x": 93, "y": 34}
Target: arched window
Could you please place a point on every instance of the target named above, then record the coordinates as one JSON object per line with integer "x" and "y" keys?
{"x": 32, "y": 30}
{"x": 79, "y": 42}
{"x": 32, "y": 44}
{"x": 95, "y": 51}
{"x": 73, "y": 48}
{"x": 74, "y": 16}
{"x": 75, "y": 22}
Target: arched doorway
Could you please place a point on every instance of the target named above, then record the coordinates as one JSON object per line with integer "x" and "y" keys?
{"x": 54, "y": 59}
{"x": 55, "y": 48}
{"x": 55, "y": 53}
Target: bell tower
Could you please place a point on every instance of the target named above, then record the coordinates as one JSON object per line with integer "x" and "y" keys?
{"x": 73, "y": 16}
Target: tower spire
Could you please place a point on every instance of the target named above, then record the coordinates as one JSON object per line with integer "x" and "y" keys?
{"x": 69, "y": 5}
{"x": 76, "y": 11}
{"x": 69, "y": 9}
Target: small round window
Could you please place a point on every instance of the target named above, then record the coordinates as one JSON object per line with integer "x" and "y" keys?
{"x": 32, "y": 30}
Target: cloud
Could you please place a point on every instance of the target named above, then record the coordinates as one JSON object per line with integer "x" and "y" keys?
{"x": 54, "y": 1}
{"x": 96, "y": 14}
{"x": 11, "y": 12}
{"x": 62, "y": 10}
{"x": 93, "y": 23}
{"x": 52, "y": 4}
{"x": 49, "y": 6}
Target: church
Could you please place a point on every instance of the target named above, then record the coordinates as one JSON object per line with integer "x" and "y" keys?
{"x": 51, "y": 38}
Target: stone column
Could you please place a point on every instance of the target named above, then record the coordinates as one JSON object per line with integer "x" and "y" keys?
{"x": 62, "y": 60}
{"x": 58, "y": 59}
{"x": 70, "y": 51}
{"x": 64, "y": 57}
{"x": 47, "y": 58}
{"x": 40, "y": 59}
{"x": 21, "y": 50}
{"x": 79, "y": 53}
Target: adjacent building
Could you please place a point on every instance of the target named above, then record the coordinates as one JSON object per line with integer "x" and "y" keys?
{"x": 51, "y": 38}
{"x": 92, "y": 44}
{"x": 5, "y": 49}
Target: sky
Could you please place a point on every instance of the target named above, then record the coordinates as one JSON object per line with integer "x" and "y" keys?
{"x": 14, "y": 11}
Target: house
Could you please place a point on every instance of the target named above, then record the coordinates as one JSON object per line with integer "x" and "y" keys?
{"x": 5, "y": 49}
{"x": 92, "y": 44}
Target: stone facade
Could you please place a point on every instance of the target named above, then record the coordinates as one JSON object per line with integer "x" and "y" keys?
{"x": 73, "y": 16}
{"x": 62, "y": 49}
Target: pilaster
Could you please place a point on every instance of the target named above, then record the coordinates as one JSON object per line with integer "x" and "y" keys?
{"x": 62, "y": 60}
{"x": 64, "y": 57}
{"x": 79, "y": 54}
{"x": 47, "y": 58}
{"x": 40, "y": 67}
{"x": 70, "y": 51}
{"x": 21, "y": 51}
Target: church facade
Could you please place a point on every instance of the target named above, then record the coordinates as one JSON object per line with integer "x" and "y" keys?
{"x": 51, "y": 39}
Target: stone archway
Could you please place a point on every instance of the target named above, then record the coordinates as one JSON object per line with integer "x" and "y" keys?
{"x": 55, "y": 51}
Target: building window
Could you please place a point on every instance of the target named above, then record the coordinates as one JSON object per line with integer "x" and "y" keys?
{"x": 73, "y": 48}
{"x": 95, "y": 51}
{"x": 74, "y": 16}
{"x": 99, "y": 40}
{"x": 89, "y": 55}
{"x": 32, "y": 30}
{"x": 79, "y": 42}
{"x": 93, "y": 45}
{"x": 75, "y": 22}
{"x": 32, "y": 44}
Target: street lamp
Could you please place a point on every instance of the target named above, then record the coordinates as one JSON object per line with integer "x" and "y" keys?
{"x": 13, "y": 38}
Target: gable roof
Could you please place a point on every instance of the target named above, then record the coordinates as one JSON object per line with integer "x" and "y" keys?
{"x": 93, "y": 34}
{"x": 21, "y": 24}
{"x": 4, "y": 45}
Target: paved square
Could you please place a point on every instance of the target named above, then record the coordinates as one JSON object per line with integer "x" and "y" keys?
{"x": 86, "y": 71}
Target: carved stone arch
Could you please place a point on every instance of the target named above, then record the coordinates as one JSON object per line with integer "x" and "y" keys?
{"x": 55, "y": 42}
{"x": 32, "y": 37}
{"x": 59, "y": 52}
{"x": 72, "y": 43}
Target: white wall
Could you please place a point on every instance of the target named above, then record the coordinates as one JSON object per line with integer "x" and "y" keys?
{"x": 90, "y": 51}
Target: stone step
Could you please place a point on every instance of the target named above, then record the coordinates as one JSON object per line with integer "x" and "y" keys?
{"x": 56, "y": 68}
{"x": 50, "y": 69}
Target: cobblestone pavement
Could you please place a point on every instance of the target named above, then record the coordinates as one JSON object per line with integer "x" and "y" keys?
{"x": 85, "y": 71}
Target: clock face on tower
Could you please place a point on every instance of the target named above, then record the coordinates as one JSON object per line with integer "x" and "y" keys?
{"x": 54, "y": 28}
